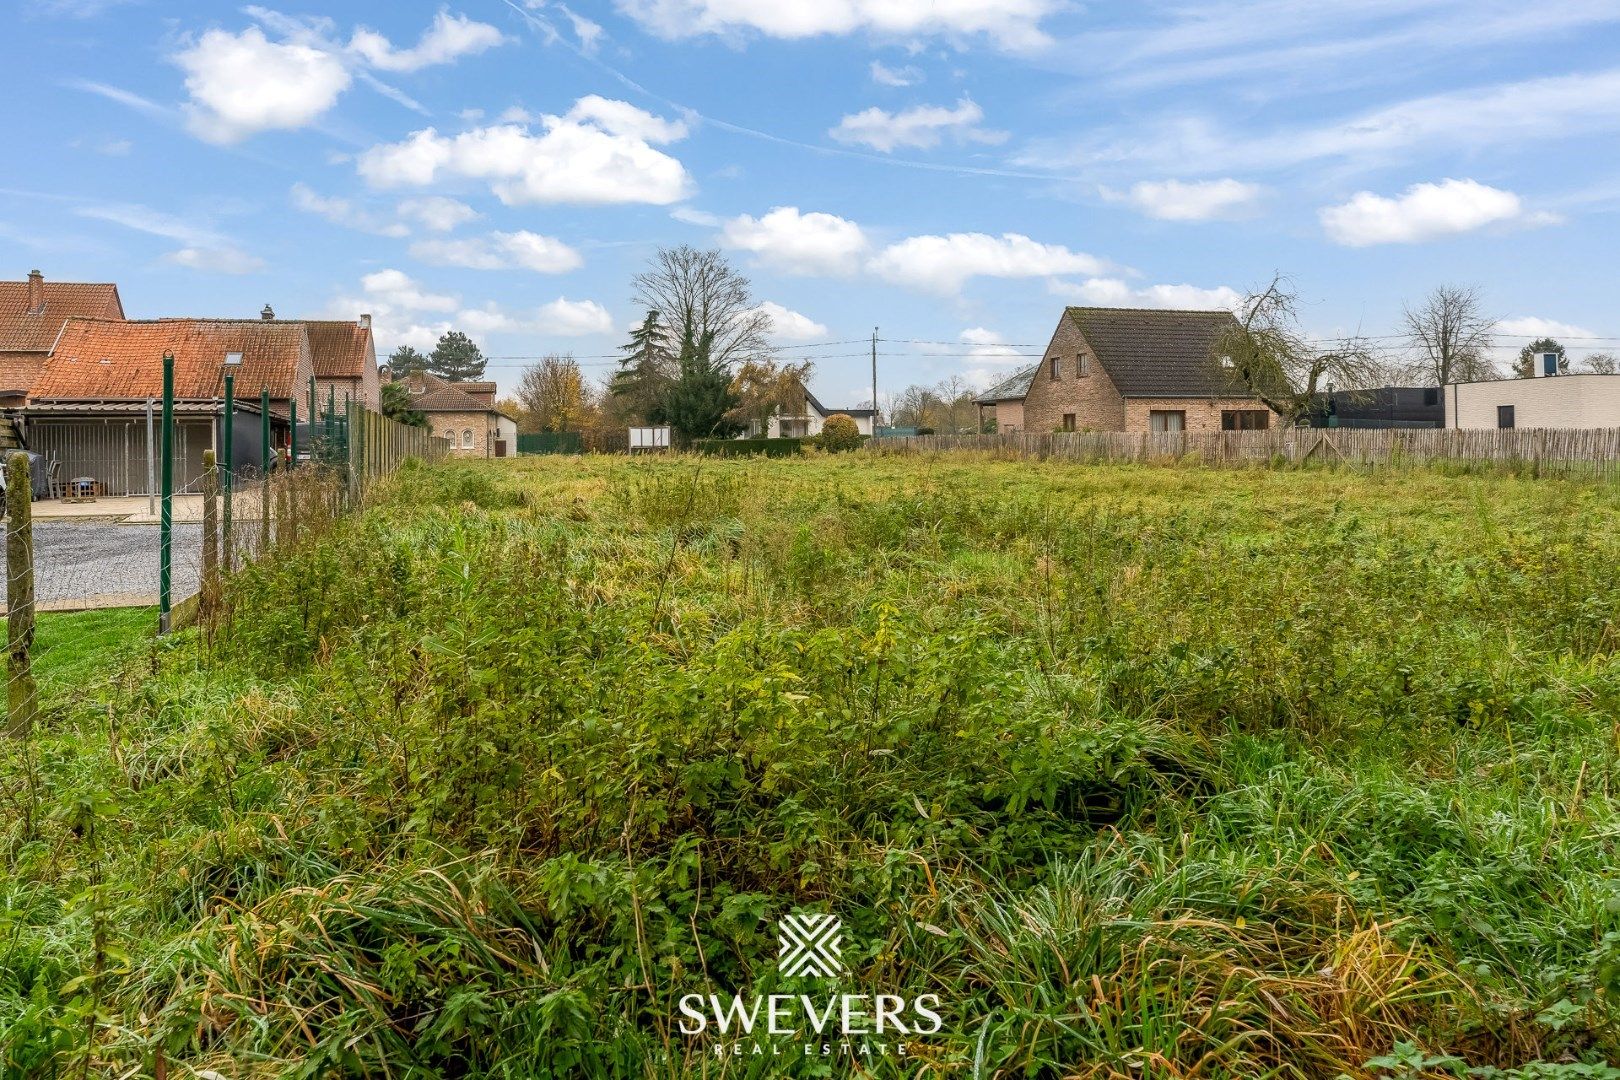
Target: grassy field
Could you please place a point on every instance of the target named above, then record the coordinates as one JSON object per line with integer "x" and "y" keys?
{"x": 1144, "y": 772}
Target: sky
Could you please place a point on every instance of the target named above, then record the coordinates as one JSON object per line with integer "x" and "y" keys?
{"x": 949, "y": 172}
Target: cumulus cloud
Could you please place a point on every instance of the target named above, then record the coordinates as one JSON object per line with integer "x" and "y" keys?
{"x": 790, "y": 326}
{"x": 1114, "y": 292}
{"x": 501, "y": 251}
{"x": 922, "y": 127}
{"x": 1204, "y": 200}
{"x": 448, "y": 39}
{"x": 887, "y": 76}
{"x": 1010, "y": 24}
{"x": 242, "y": 84}
{"x": 341, "y": 211}
{"x": 436, "y": 213}
{"x": 561, "y": 318}
{"x": 215, "y": 260}
{"x": 1530, "y": 327}
{"x": 798, "y": 243}
{"x": 990, "y": 347}
{"x": 400, "y": 292}
{"x": 1422, "y": 212}
{"x": 944, "y": 264}
{"x": 601, "y": 152}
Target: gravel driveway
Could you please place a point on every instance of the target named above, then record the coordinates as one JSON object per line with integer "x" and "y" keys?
{"x": 102, "y": 563}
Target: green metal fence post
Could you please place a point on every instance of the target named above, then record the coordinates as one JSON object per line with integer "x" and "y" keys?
{"x": 230, "y": 469}
{"x": 166, "y": 511}
{"x": 264, "y": 465}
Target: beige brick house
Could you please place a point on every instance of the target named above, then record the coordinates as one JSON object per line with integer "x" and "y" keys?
{"x": 1126, "y": 369}
{"x": 464, "y": 413}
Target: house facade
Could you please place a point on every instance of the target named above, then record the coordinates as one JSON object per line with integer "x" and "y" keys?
{"x": 1384, "y": 407}
{"x": 465, "y": 413}
{"x": 32, "y": 314}
{"x": 1003, "y": 403}
{"x": 1555, "y": 401}
{"x": 1125, "y": 369}
{"x": 806, "y": 421}
{"x": 89, "y": 404}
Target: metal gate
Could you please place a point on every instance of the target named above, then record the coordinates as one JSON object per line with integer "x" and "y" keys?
{"x": 112, "y": 451}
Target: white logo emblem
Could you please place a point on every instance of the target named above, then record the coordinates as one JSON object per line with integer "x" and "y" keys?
{"x": 810, "y": 945}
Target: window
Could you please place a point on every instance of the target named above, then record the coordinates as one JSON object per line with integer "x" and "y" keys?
{"x": 1068, "y": 421}
{"x": 449, "y": 433}
{"x": 466, "y": 439}
{"x": 1431, "y": 397}
{"x": 1504, "y": 416}
{"x": 1167, "y": 420}
{"x": 1245, "y": 419}
{"x": 1055, "y": 373}
{"x": 1082, "y": 365}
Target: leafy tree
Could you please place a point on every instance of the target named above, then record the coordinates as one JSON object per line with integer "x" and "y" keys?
{"x": 406, "y": 361}
{"x": 917, "y": 407}
{"x": 839, "y": 433}
{"x": 396, "y": 405}
{"x": 1528, "y": 365}
{"x": 1265, "y": 353}
{"x": 456, "y": 358}
{"x": 1601, "y": 363}
{"x": 553, "y": 394}
{"x": 697, "y": 404}
{"x": 765, "y": 388}
{"x": 1450, "y": 335}
{"x": 639, "y": 386}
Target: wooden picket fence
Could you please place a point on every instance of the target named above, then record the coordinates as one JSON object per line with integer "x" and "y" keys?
{"x": 378, "y": 445}
{"x": 1593, "y": 453}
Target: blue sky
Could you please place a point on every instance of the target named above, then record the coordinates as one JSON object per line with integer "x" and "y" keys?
{"x": 952, "y": 171}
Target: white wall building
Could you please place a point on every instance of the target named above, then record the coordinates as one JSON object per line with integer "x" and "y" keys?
{"x": 1556, "y": 401}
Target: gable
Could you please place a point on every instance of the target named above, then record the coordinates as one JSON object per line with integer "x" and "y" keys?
{"x": 25, "y": 331}
{"x": 1149, "y": 353}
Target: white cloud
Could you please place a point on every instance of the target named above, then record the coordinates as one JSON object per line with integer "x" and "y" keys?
{"x": 989, "y": 347}
{"x": 436, "y": 213}
{"x": 922, "y": 127}
{"x": 561, "y": 317}
{"x": 501, "y": 251}
{"x": 341, "y": 211}
{"x": 448, "y": 39}
{"x": 215, "y": 260}
{"x": 692, "y": 216}
{"x": 1529, "y": 327}
{"x": 589, "y": 33}
{"x": 788, "y": 325}
{"x": 1422, "y": 212}
{"x": 1011, "y": 24}
{"x": 398, "y": 291}
{"x": 1113, "y": 292}
{"x": 945, "y": 263}
{"x": 1177, "y": 200}
{"x": 887, "y": 76}
{"x": 799, "y": 243}
{"x": 242, "y": 84}
{"x": 598, "y": 154}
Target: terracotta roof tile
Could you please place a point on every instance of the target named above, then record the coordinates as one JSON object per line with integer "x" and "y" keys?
{"x": 24, "y": 332}
{"x": 103, "y": 359}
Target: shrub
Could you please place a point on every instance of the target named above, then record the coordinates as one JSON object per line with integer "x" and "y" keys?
{"x": 749, "y": 447}
{"x": 839, "y": 433}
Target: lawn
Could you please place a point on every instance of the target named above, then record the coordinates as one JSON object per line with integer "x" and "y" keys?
{"x": 1124, "y": 771}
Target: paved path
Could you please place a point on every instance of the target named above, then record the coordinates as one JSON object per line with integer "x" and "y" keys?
{"x": 101, "y": 563}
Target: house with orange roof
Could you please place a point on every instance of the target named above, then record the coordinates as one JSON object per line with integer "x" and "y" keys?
{"x": 88, "y": 406}
{"x": 465, "y": 413}
{"x": 32, "y": 314}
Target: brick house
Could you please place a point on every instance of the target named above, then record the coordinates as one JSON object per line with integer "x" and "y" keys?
{"x": 87, "y": 410}
{"x": 32, "y": 314}
{"x": 1126, "y": 369}
{"x": 345, "y": 359}
{"x": 1005, "y": 400}
{"x": 464, "y": 413}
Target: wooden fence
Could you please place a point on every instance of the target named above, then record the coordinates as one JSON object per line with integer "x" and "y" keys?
{"x": 1586, "y": 453}
{"x": 378, "y": 445}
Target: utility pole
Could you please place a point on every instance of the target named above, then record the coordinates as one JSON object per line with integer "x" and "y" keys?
{"x": 874, "y": 383}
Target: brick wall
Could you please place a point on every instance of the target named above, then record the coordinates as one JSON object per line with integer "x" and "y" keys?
{"x": 1203, "y": 414}
{"x": 1008, "y": 415}
{"x": 480, "y": 423}
{"x": 1092, "y": 397}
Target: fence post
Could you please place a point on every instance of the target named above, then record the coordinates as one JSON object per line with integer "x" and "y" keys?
{"x": 22, "y": 702}
{"x": 264, "y": 467}
{"x": 208, "y": 596}
{"x": 166, "y": 507}
{"x": 230, "y": 469}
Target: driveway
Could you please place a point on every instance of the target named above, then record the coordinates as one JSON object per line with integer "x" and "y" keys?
{"x": 91, "y": 562}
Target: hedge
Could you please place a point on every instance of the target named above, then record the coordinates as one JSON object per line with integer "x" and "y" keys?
{"x": 749, "y": 447}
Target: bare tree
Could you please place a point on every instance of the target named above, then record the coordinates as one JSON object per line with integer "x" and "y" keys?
{"x": 1601, "y": 363}
{"x": 955, "y": 394}
{"x": 1450, "y": 336}
{"x": 701, "y": 293}
{"x": 1266, "y": 353}
{"x": 915, "y": 406}
{"x": 554, "y": 394}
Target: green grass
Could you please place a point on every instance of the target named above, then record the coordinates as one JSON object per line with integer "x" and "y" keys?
{"x": 79, "y": 649}
{"x": 1143, "y": 771}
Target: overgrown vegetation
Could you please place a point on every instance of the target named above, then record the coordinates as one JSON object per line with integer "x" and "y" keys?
{"x": 1146, "y": 772}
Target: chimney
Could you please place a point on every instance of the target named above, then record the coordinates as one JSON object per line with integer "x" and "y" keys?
{"x": 365, "y": 322}
{"x": 36, "y": 292}
{"x": 268, "y": 313}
